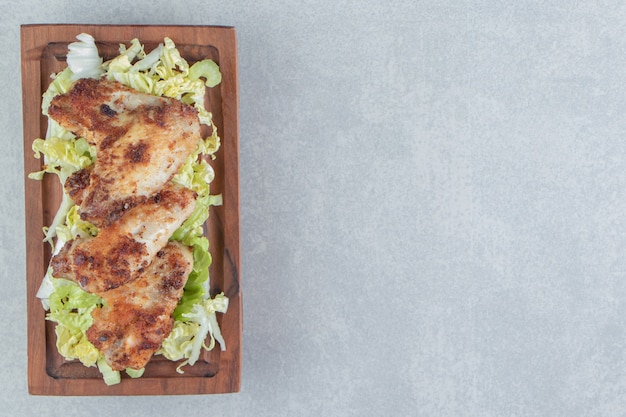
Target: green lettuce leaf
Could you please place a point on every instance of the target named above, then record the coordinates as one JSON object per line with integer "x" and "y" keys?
{"x": 74, "y": 227}
{"x": 135, "y": 373}
{"x": 197, "y": 282}
{"x": 122, "y": 68}
{"x": 110, "y": 376}
{"x": 61, "y": 84}
{"x": 74, "y": 345}
{"x": 62, "y": 156}
{"x": 71, "y": 307}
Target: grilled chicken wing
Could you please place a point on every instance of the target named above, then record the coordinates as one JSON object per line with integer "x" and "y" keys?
{"x": 137, "y": 316}
{"x": 141, "y": 141}
{"x": 122, "y": 250}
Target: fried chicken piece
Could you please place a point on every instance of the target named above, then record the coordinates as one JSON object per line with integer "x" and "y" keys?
{"x": 137, "y": 316}
{"x": 122, "y": 250}
{"x": 141, "y": 142}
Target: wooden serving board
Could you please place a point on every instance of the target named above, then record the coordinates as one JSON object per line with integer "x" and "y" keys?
{"x": 43, "y": 52}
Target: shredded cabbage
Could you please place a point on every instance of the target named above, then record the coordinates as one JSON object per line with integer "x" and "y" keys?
{"x": 196, "y": 175}
{"x": 162, "y": 72}
{"x": 75, "y": 227}
{"x": 74, "y": 345}
{"x": 70, "y": 307}
{"x": 62, "y": 157}
{"x": 135, "y": 373}
{"x": 110, "y": 376}
{"x": 83, "y": 59}
{"x": 187, "y": 339}
{"x": 61, "y": 84}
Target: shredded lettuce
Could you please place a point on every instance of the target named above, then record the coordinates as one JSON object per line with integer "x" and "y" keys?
{"x": 83, "y": 59}
{"x": 75, "y": 227}
{"x": 197, "y": 282}
{"x": 191, "y": 233}
{"x": 162, "y": 72}
{"x": 74, "y": 345}
{"x": 61, "y": 84}
{"x": 70, "y": 307}
{"x": 121, "y": 68}
{"x": 188, "y": 338}
{"x": 135, "y": 373}
{"x": 110, "y": 376}
{"x": 46, "y": 289}
{"x": 62, "y": 156}
{"x": 172, "y": 63}
{"x": 196, "y": 174}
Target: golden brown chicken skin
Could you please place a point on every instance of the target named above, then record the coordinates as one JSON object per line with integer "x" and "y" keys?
{"x": 123, "y": 249}
{"x": 141, "y": 142}
{"x": 137, "y": 316}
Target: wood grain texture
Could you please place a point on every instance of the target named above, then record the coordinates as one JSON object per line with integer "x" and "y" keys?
{"x": 43, "y": 49}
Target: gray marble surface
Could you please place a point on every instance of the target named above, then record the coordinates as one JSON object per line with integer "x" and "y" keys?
{"x": 432, "y": 207}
